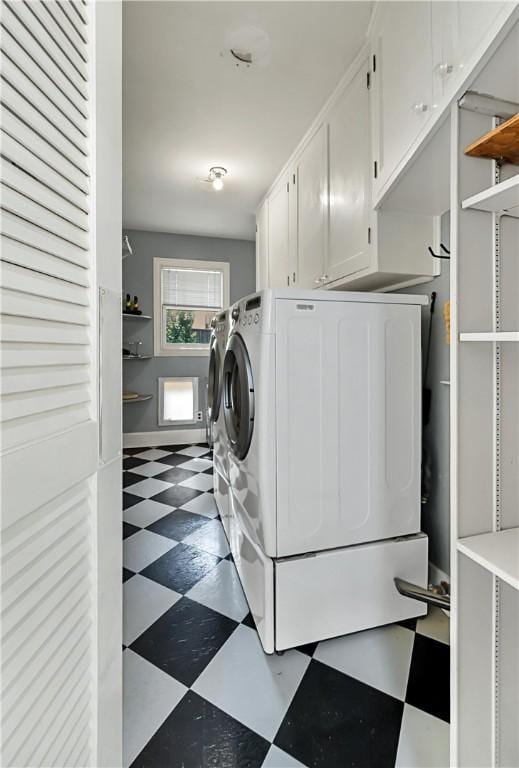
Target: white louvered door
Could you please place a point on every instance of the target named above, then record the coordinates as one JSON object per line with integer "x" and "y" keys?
{"x": 49, "y": 385}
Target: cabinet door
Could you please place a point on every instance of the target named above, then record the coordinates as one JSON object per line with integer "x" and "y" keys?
{"x": 312, "y": 206}
{"x": 459, "y": 29}
{"x": 262, "y": 249}
{"x": 349, "y": 153}
{"x": 403, "y": 80}
{"x": 278, "y": 236}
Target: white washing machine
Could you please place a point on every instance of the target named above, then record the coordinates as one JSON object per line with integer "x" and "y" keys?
{"x": 322, "y": 408}
{"x": 217, "y": 346}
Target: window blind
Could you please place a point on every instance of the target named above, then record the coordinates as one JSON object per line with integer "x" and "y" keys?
{"x": 200, "y": 288}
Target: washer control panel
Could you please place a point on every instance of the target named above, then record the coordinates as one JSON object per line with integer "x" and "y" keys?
{"x": 247, "y": 314}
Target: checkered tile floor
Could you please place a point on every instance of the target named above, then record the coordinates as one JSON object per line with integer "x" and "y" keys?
{"x": 199, "y": 691}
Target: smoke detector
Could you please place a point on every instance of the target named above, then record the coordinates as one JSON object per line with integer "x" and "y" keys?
{"x": 247, "y": 46}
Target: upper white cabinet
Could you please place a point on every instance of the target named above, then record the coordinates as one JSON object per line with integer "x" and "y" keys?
{"x": 349, "y": 150}
{"x": 277, "y": 228}
{"x": 458, "y": 30}
{"x": 309, "y": 180}
{"x": 402, "y": 81}
{"x": 262, "y": 246}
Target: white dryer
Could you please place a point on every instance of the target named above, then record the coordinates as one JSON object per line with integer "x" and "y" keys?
{"x": 217, "y": 346}
{"x": 322, "y": 408}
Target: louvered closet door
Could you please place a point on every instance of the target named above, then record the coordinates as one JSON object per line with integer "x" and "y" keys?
{"x": 49, "y": 385}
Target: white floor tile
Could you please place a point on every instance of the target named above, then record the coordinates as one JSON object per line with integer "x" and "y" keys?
{"x": 204, "y": 505}
{"x": 211, "y": 538}
{"x": 424, "y": 741}
{"x": 379, "y": 657}
{"x": 200, "y": 482}
{"x": 194, "y": 450}
{"x": 146, "y": 512}
{"x": 149, "y": 697}
{"x": 150, "y": 469}
{"x": 152, "y": 454}
{"x": 221, "y": 590}
{"x": 435, "y": 625}
{"x": 197, "y": 465}
{"x": 144, "y": 601}
{"x": 254, "y": 688}
{"x": 148, "y": 487}
{"x": 276, "y": 758}
{"x": 143, "y": 548}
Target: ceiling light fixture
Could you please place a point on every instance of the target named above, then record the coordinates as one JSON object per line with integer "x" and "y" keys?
{"x": 216, "y": 176}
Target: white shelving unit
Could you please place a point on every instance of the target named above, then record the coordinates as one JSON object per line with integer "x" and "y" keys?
{"x": 484, "y": 429}
{"x": 496, "y": 552}
{"x": 502, "y": 198}
{"x": 495, "y": 336}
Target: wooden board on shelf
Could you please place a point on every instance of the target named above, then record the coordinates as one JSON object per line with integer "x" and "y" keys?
{"x": 501, "y": 143}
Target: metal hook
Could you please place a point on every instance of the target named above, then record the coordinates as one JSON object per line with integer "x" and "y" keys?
{"x": 439, "y": 255}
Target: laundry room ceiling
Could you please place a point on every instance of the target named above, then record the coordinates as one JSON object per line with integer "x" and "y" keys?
{"x": 188, "y": 104}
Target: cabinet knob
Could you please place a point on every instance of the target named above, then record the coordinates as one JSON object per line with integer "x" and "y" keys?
{"x": 420, "y": 107}
{"x": 318, "y": 280}
{"x": 324, "y": 278}
{"x": 445, "y": 68}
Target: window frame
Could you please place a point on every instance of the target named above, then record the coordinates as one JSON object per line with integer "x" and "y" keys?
{"x": 181, "y": 350}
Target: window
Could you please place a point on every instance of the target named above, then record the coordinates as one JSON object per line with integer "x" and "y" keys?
{"x": 187, "y": 295}
{"x": 178, "y": 400}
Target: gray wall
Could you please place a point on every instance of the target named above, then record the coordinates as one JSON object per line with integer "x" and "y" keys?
{"x": 142, "y": 375}
{"x": 436, "y": 512}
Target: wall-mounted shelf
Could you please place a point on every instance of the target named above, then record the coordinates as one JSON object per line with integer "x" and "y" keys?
{"x": 138, "y": 399}
{"x": 137, "y": 357}
{"x": 501, "y": 143}
{"x": 500, "y": 198}
{"x": 128, "y": 316}
{"x": 498, "y": 336}
{"x": 496, "y": 552}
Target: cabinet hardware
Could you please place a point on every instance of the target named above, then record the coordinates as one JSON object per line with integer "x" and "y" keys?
{"x": 368, "y": 80}
{"x": 293, "y": 277}
{"x": 440, "y": 255}
{"x": 318, "y": 280}
{"x": 445, "y": 68}
{"x": 374, "y": 63}
{"x": 375, "y": 169}
{"x": 293, "y": 178}
{"x": 369, "y": 235}
{"x": 288, "y": 279}
{"x": 288, "y": 186}
{"x": 419, "y": 107}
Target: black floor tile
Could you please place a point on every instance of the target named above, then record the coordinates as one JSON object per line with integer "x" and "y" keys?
{"x": 249, "y": 621}
{"x": 408, "y": 624}
{"x": 185, "y": 639}
{"x": 127, "y": 574}
{"x": 129, "y": 529}
{"x": 131, "y": 462}
{"x": 335, "y": 721}
{"x": 181, "y": 568}
{"x": 178, "y": 524}
{"x": 175, "y": 448}
{"x": 133, "y": 451}
{"x": 130, "y": 478}
{"x": 129, "y": 500}
{"x": 198, "y": 735}
{"x": 174, "y": 459}
{"x": 428, "y": 684}
{"x": 176, "y": 496}
{"x": 308, "y": 648}
{"x": 175, "y": 475}
{"x": 208, "y": 471}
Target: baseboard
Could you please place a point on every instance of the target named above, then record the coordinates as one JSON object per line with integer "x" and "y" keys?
{"x": 163, "y": 437}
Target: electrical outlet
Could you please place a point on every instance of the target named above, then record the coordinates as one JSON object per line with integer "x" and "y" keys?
{"x": 199, "y": 416}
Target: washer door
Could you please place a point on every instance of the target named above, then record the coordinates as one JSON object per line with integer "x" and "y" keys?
{"x": 238, "y": 396}
{"x": 214, "y": 381}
